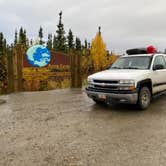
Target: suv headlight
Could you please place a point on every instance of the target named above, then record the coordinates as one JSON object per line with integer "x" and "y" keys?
{"x": 126, "y": 82}
{"x": 90, "y": 80}
{"x": 126, "y": 85}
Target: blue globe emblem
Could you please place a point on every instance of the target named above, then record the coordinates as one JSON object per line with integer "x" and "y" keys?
{"x": 38, "y": 56}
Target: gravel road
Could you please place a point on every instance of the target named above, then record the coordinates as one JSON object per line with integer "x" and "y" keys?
{"x": 66, "y": 128}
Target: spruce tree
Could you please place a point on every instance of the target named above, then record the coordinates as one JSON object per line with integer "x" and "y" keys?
{"x": 41, "y": 35}
{"x": 31, "y": 42}
{"x": 70, "y": 40}
{"x": 85, "y": 44}
{"x": 49, "y": 42}
{"x": 3, "y": 66}
{"x": 78, "y": 44}
{"x": 27, "y": 43}
{"x": 21, "y": 36}
{"x": 4, "y": 46}
{"x": 15, "y": 37}
{"x": 60, "y": 38}
{"x": 89, "y": 45}
{"x": 1, "y": 44}
{"x": 54, "y": 43}
{"x": 24, "y": 37}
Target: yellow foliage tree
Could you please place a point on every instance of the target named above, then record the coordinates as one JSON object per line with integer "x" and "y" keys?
{"x": 98, "y": 52}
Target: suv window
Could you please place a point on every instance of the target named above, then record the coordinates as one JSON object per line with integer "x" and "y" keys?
{"x": 133, "y": 62}
{"x": 165, "y": 58}
{"x": 160, "y": 60}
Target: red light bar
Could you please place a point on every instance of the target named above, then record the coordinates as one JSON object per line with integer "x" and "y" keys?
{"x": 151, "y": 50}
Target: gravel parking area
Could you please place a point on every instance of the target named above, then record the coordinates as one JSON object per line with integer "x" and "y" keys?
{"x": 66, "y": 128}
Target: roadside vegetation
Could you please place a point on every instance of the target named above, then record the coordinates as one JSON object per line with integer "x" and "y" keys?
{"x": 94, "y": 57}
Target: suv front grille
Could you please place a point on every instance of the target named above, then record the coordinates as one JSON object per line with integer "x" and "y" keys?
{"x": 106, "y": 81}
{"x": 105, "y": 85}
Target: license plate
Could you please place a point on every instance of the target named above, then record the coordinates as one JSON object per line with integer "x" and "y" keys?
{"x": 102, "y": 96}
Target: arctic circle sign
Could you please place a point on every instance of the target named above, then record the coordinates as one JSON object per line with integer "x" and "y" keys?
{"x": 38, "y": 56}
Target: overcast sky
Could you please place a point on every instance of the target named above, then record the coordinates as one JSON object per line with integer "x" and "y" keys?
{"x": 125, "y": 23}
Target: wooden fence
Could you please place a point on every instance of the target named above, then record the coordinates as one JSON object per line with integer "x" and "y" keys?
{"x": 75, "y": 69}
{"x": 51, "y": 77}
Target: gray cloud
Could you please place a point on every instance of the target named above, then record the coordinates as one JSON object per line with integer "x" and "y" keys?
{"x": 124, "y": 24}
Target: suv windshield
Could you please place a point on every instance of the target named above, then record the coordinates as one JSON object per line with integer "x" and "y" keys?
{"x": 135, "y": 62}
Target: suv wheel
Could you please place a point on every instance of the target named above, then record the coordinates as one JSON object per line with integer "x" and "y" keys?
{"x": 144, "y": 98}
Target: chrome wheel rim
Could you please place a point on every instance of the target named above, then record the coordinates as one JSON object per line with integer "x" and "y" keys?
{"x": 145, "y": 98}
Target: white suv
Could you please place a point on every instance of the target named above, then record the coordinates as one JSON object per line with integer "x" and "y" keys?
{"x": 131, "y": 79}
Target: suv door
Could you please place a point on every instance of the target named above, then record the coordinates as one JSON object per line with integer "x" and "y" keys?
{"x": 159, "y": 74}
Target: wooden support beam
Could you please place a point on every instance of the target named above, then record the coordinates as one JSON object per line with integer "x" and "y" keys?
{"x": 10, "y": 71}
{"x": 75, "y": 67}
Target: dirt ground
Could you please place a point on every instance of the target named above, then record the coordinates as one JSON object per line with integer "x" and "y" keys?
{"x": 66, "y": 128}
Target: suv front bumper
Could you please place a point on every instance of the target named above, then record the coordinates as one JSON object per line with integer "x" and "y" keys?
{"x": 130, "y": 98}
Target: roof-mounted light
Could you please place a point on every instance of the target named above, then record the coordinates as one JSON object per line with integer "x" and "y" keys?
{"x": 148, "y": 50}
{"x": 151, "y": 50}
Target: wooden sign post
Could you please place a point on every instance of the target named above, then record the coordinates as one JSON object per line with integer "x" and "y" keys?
{"x": 75, "y": 67}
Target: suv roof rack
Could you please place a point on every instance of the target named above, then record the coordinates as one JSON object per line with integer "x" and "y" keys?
{"x": 136, "y": 51}
{"x": 148, "y": 50}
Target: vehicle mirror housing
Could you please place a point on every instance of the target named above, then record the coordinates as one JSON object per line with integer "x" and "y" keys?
{"x": 108, "y": 67}
{"x": 158, "y": 67}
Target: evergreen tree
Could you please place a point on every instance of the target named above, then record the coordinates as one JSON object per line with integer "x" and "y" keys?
{"x": 27, "y": 43}
{"x": 41, "y": 35}
{"x": 70, "y": 40}
{"x": 24, "y": 37}
{"x": 31, "y": 42}
{"x": 21, "y": 36}
{"x": 15, "y": 37}
{"x": 49, "y": 42}
{"x": 1, "y": 44}
{"x": 54, "y": 43}
{"x": 60, "y": 38}
{"x": 4, "y": 46}
{"x": 85, "y": 44}
{"x": 89, "y": 45}
{"x": 3, "y": 64}
{"x": 78, "y": 44}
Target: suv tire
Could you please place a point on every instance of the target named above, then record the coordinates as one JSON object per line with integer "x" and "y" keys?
{"x": 144, "y": 98}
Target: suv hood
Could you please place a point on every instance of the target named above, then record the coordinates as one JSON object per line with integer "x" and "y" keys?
{"x": 119, "y": 74}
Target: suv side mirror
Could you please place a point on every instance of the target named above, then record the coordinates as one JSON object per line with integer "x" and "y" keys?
{"x": 108, "y": 67}
{"x": 158, "y": 67}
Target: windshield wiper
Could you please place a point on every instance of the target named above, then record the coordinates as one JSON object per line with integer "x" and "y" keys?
{"x": 131, "y": 68}
{"x": 115, "y": 67}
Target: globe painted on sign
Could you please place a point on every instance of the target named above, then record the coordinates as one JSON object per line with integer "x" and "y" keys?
{"x": 38, "y": 56}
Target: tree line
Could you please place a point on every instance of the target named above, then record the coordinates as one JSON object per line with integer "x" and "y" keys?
{"x": 94, "y": 55}
{"x": 56, "y": 42}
